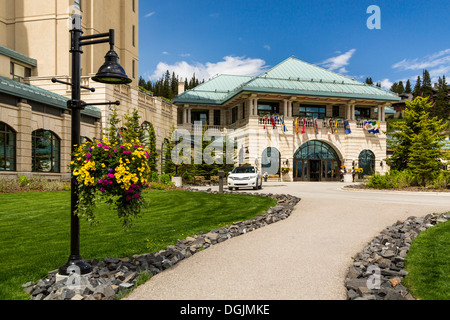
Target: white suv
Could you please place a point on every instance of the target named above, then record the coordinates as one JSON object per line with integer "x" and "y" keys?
{"x": 245, "y": 177}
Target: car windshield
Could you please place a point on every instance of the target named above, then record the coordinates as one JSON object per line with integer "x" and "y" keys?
{"x": 244, "y": 170}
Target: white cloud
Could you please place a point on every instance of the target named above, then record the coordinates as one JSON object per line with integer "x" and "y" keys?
{"x": 437, "y": 64}
{"x": 165, "y": 53}
{"x": 267, "y": 47}
{"x": 148, "y": 15}
{"x": 229, "y": 65}
{"x": 386, "y": 84}
{"x": 339, "y": 62}
{"x": 185, "y": 55}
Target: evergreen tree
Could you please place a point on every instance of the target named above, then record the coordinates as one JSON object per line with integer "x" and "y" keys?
{"x": 427, "y": 90}
{"x": 406, "y": 133}
{"x": 132, "y": 128}
{"x": 113, "y": 132}
{"x": 394, "y": 87}
{"x": 149, "y": 141}
{"x": 400, "y": 88}
{"x": 417, "y": 88}
{"x": 408, "y": 87}
{"x": 442, "y": 106}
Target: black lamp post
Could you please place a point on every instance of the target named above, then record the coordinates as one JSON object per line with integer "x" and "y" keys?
{"x": 110, "y": 73}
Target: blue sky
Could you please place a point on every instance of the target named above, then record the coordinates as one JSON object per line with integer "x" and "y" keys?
{"x": 249, "y": 36}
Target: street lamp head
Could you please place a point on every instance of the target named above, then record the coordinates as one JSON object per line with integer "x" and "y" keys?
{"x": 111, "y": 72}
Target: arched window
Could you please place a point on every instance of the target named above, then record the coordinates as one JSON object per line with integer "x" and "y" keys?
{"x": 7, "y": 148}
{"x": 271, "y": 161}
{"x": 367, "y": 162}
{"x": 46, "y": 149}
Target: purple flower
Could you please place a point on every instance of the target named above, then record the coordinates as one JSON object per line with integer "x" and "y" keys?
{"x": 137, "y": 195}
{"x": 102, "y": 190}
{"x": 128, "y": 198}
{"x": 90, "y": 149}
{"x": 110, "y": 170}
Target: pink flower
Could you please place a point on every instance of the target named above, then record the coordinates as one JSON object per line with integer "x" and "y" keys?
{"x": 137, "y": 195}
{"x": 100, "y": 181}
{"x": 112, "y": 176}
{"x": 115, "y": 150}
{"x": 128, "y": 198}
{"x": 99, "y": 145}
{"x": 88, "y": 155}
{"x": 102, "y": 190}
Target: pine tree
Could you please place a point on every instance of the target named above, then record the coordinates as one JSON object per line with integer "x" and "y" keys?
{"x": 113, "y": 132}
{"x": 417, "y": 88}
{"x": 406, "y": 133}
{"x": 132, "y": 128}
{"x": 408, "y": 87}
{"x": 149, "y": 141}
{"x": 394, "y": 87}
{"x": 400, "y": 88}
{"x": 427, "y": 90}
{"x": 442, "y": 106}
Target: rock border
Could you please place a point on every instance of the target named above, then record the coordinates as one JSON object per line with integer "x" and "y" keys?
{"x": 117, "y": 276}
{"x": 378, "y": 271}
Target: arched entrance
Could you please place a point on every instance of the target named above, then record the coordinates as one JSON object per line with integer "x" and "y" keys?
{"x": 316, "y": 161}
{"x": 367, "y": 162}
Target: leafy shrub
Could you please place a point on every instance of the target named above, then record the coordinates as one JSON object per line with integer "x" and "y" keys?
{"x": 155, "y": 177}
{"x": 23, "y": 181}
{"x": 165, "y": 179}
{"x": 378, "y": 181}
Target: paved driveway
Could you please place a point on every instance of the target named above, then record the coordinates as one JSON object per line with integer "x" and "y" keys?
{"x": 305, "y": 257}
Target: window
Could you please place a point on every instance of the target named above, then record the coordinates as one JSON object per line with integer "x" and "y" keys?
{"x": 362, "y": 113}
{"x": 134, "y": 5}
{"x": 134, "y": 36}
{"x": 335, "y": 111}
{"x": 314, "y": 112}
{"x": 133, "y": 62}
{"x": 268, "y": 108}
{"x": 200, "y": 116}
{"x": 7, "y": 148}
{"x": 217, "y": 117}
{"x": 46, "y": 148}
{"x": 316, "y": 150}
{"x": 243, "y": 111}
{"x": 19, "y": 72}
{"x": 234, "y": 114}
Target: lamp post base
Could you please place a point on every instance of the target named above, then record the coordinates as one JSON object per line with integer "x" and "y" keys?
{"x": 74, "y": 265}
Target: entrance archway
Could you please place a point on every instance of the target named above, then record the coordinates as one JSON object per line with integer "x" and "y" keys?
{"x": 367, "y": 162}
{"x": 316, "y": 161}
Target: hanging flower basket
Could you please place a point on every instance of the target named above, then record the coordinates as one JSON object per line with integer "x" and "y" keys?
{"x": 285, "y": 170}
{"x": 114, "y": 173}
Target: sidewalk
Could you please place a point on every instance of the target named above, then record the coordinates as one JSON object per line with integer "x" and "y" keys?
{"x": 305, "y": 257}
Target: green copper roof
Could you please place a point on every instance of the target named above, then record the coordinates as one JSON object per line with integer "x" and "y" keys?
{"x": 292, "y": 77}
{"x": 33, "y": 93}
{"x": 18, "y": 56}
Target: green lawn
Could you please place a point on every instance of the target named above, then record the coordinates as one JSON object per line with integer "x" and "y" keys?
{"x": 428, "y": 264}
{"x": 35, "y": 229}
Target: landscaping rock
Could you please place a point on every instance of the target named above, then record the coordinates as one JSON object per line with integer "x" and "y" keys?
{"x": 116, "y": 275}
{"x": 381, "y": 263}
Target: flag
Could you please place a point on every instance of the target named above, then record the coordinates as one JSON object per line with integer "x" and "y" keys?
{"x": 336, "y": 126}
{"x": 347, "y": 127}
{"x": 273, "y": 122}
{"x": 296, "y": 125}
{"x": 284, "y": 124}
{"x": 369, "y": 126}
{"x": 304, "y": 126}
{"x": 331, "y": 126}
{"x": 377, "y": 130}
{"x": 376, "y": 127}
{"x": 316, "y": 127}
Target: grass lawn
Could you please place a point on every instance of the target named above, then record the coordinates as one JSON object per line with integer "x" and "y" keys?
{"x": 428, "y": 264}
{"x": 35, "y": 229}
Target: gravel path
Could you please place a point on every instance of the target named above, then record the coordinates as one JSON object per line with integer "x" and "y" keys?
{"x": 305, "y": 257}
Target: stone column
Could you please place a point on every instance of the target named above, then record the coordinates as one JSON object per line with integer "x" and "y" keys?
{"x": 23, "y": 138}
{"x": 285, "y": 113}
